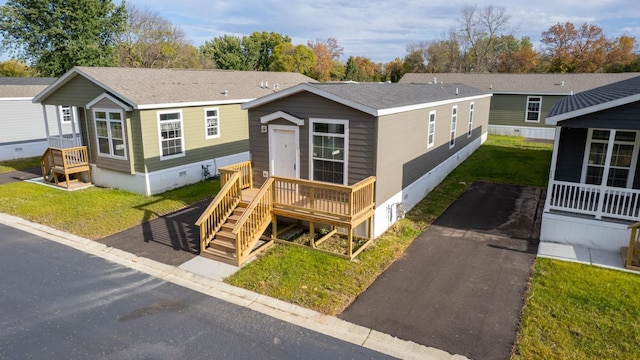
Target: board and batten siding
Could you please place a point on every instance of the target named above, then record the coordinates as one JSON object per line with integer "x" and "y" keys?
{"x": 403, "y": 155}
{"x": 304, "y": 105}
{"x": 76, "y": 92}
{"x": 510, "y": 109}
{"x": 233, "y": 136}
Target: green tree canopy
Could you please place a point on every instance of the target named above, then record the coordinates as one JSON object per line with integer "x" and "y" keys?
{"x": 55, "y": 35}
{"x": 253, "y": 52}
{"x": 288, "y": 57}
{"x": 15, "y": 68}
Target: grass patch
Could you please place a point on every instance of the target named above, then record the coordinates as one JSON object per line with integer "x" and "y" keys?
{"x": 96, "y": 212}
{"x": 328, "y": 284}
{"x": 575, "y": 311}
{"x": 19, "y": 164}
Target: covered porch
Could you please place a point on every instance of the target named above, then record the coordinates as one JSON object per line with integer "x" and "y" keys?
{"x": 242, "y": 220}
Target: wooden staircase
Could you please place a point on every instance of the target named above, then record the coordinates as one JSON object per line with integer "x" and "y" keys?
{"x": 223, "y": 246}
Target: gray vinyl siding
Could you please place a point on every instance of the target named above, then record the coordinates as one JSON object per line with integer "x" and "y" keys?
{"x": 510, "y": 109}
{"x": 233, "y": 138}
{"x": 77, "y": 92}
{"x": 362, "y": 134}
{"x": 403, "y": 155}
{"x": 570, "y": 154}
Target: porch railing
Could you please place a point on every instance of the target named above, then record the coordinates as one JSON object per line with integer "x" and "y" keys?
{"x": 595, "y": 200}
{"x": 219, "y": 210}
{"x": 244, "y": 168}
{"x": 324, "y": 199}
{"x": 254, "y": 221}
{"x": 64, "y": 141}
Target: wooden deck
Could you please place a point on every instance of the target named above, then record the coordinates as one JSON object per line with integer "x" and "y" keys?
{"x": 68, "y": 168}
{"x": 631, "y": 254}
{"x": 240, "y": 214}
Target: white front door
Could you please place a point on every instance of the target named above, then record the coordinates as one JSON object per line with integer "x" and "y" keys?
{"x": 284, "y": 156}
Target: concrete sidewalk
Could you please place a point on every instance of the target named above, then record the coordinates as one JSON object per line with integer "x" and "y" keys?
{"x": 583, "y": 255}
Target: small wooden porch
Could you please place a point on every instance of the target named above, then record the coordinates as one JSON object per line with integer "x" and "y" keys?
{"x": 67, "y": 168}
{"x": 631, "y": 254}
{"x": 242, "y": 221}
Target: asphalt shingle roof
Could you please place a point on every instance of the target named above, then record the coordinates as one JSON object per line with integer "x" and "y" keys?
{"x": 11, "y": 87}
{"x": 598, "y": 96}
{"x": 168, "y": 86}
{"x": 539, "y": 84}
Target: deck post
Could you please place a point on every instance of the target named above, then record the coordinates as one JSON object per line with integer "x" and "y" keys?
{"x": 350, "y": 236}
{"x": 312, "y": 235}
{"x": 274, "y": 226}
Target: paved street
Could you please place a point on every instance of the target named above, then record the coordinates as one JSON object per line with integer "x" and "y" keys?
{"x": 58, "y": 302}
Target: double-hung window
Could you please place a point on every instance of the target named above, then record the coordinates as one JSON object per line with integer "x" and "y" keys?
{"x": 470, "y": 127}
{"x": 110, "y": 133}
{"x": 618, "y": 163}
{"x": 212, "y": 123}
{"x": 534, "y": 104}
{"x": 171, "y": 134}
{"x": 454, "y": 121}
{"x": 329, "y": 153}
{"x": 431, "y": 131}
{"x": 67, "y": 113}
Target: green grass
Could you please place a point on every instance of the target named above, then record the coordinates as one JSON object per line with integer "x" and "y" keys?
{"x": 19, "y": 164}
{"x": 96, "y": 212}
{"x": 328, "y": 284}
{"x": 575, "y": 311}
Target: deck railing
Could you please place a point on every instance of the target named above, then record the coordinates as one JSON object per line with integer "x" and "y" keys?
{"x": 64, "y": 141}
{"x": 244, "y": 168}
{"x": 323, "y": 198}
{"x": 221, "y": 207}
{"x": 64, "y": 162}
{"x": 254, "y": 221}
{"x": 595, "y": 200}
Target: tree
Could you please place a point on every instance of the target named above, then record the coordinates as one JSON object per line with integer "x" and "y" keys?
{"x": 570, "y": 49}
{"x": 55, "y": 35}
{"x": 480, "y": 33}
{"x": 227, "y": 52}
{"x": 259, "y": 48}
{"x": 416, "y": 58}
{"x": 394, "y": 70}
{"x": 151, "y": 41}
{"x": 291, "y": 58}
{"x": 326, "y": 52}
{"x": 620, "y": 55}
{"x": 362, "y": 69}
{"x": 518, "y": 56}
{"x": 15, "y": 68}
{"x": 444, "y": 55}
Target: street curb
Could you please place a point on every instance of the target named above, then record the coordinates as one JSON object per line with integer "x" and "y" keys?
{"x": 309, "y": 319}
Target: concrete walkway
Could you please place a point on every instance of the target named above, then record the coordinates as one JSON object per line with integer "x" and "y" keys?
{"x": 583, "y": 255}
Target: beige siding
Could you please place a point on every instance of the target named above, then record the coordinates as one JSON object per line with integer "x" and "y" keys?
{"x": 362, "y": 134}
{"x": 233, "y": 135}
{"x": 77, "y": 92}
{"x": 403, "y": 156}
{"x": 510, "y": 110}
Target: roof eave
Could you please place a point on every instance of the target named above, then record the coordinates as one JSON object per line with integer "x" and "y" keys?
{"x": 553, "y": 120}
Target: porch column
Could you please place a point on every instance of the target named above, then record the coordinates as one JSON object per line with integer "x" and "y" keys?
{"x": 74, "y": 116}
{"x": 46, "y": 122}
{"x": 552, "y": 169}
{"x": 59, "y": 125}
{"x": 605, "y": 173}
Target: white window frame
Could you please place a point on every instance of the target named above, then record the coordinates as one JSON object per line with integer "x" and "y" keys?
{"x": 431, "y": 129}
{"x": 609, "y": 154}
{"x": 454, "y": 125}
{"x": 345, "y": 160}
{"x": 527, "y": 111}
{"x": 206, "y": 123}
{"x": 470, "y": 128}
{"x": 72, "y": 114}
{"x": 182, "y": 147}
{"x": 110, "y": 137}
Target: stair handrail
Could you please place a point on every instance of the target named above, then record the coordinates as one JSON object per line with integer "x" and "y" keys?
{"x": 46, "y": 163}
{"x": 219, "y": 210}
{"x": 254, "y": 221}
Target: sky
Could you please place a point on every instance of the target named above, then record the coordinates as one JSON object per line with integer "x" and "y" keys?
{"x": 382, "y": 29}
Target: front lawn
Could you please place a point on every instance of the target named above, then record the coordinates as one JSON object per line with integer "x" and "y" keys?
{"x": 95, "y": 212}
{"x": 19, "y": 164}
{"x": 327, "y": 284}
{"x": 576, "y": 311}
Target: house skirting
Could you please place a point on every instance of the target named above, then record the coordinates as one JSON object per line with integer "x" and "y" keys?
{"x": 387, "y": 213}
{"x": 591, "y": 233}
{"x": 160, "y": 181}
{"x": 22, "y": 149}
{"x": 524, "y": 131}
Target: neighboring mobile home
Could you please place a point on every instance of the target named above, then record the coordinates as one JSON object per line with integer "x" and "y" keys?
{"x": 24, "y": 133}
{"x": 594, "y": 181}
{"x": 520, "y": 102}
{"x": 151, "y": 130}
{"x": 408, "y": 136}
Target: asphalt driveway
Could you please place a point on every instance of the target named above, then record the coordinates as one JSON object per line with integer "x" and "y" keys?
{"x": 460, "y": 285}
